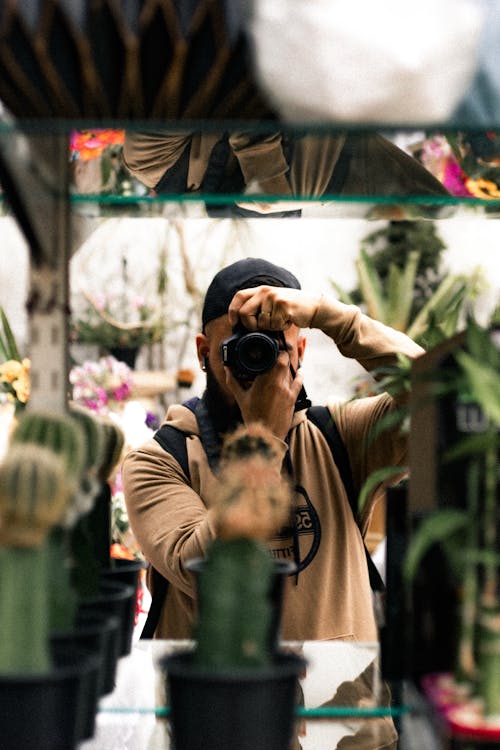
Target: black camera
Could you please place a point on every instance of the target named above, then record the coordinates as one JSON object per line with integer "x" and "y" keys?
{"x": 250, "y": 353}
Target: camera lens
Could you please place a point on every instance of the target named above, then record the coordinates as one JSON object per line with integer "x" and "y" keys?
{"x": 256, "y": 353}
{"x": 248, "y": 353}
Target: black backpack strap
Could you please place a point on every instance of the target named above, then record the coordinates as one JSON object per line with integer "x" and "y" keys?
{"x": 173, "y": 441}
{"x": 160, "y": 589}
{"x": 322, "y": 418}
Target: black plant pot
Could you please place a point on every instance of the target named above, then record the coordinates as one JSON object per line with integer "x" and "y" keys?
{"x": 128, "y": 572}
{"x": 118, "y": 599}
{"x": 125, "y": 571}
{"x": 99, "y": 634}
{"x": 105, "y": 630}
{"x": 239, "y": 708}
{"x": 282, "y": 569}
{"x": 48, "y": 711}
{"x": 63, "y": 649}
{"x": 127, "y": 354}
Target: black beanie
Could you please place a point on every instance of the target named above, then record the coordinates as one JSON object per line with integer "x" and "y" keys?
{"x": 239, "y": 275}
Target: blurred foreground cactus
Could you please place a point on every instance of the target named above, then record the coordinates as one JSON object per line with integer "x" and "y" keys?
{"x": 53, "y": 541}
{"x": 34, "y": 495}
{"x": 59, "y": 433}
{"x": 91, "y": 535}
{"x": 65, "y": 438}
{"x": 253, "y": 503}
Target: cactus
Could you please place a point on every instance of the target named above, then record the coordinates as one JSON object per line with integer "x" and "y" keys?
{"x": 91, "y": 536}
{"x": 113, "y": 442}
{"x": 61, "y": 433}
{"x": 253, "y": 502}
{"x": 72, "y": 569}
{"x": 94, "y": 438}
{"x": 34, "y": 493}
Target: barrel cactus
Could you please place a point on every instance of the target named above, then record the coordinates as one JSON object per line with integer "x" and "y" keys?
{"x": 59, "y": 432}
{"x": 94, "y": 438}
{"x": 234, "y": 605}
{"x": 34, "y": 494}
{"x": 112, "y": 447}
{"x": 91, "y": 535}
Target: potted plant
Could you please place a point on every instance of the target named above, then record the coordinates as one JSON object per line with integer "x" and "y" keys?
{"x": 112, "y": 575}
{"x": 79, "y": 546}
{"x": 468, "y": 525}
{"x": 401, "y": 283}
{"x": 118, "y": 325}
{"x": 44, "y": 698}
{"x": 237, "y": 689}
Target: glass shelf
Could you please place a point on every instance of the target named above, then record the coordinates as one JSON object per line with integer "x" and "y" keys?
{"x": 399, "y": 174}
{"x": 334, "y": 671}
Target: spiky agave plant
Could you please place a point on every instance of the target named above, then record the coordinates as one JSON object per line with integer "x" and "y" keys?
{"x": 253, "y": 503}
{"x": 34, "y": 495}
{"x": 471, "y": 533}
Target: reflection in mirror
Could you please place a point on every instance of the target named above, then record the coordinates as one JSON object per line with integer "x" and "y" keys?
{"x": 258, "y": 173}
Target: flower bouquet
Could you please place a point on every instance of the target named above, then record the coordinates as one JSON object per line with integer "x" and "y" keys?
{"x": 102, "y": 385}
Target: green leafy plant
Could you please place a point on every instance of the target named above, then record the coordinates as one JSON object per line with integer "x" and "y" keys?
{"x": 110, "y": 322}
{"x": 400, "y": 283}
{"x": 390, "y": 301}
{"x": 470, "y": 534}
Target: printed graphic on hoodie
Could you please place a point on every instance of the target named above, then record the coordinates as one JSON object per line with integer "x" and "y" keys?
{"x": 300, "y": 542}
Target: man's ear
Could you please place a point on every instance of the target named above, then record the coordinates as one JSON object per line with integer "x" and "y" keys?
{"x": 203, "y": 349}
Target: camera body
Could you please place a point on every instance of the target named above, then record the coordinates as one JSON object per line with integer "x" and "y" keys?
{"x": 250, "y": 353}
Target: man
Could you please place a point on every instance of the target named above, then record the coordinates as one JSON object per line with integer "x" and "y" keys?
{"x": 170, "y": 514}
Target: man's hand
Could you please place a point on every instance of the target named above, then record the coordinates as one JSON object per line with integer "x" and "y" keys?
{"x": 272, "y": 308}
{"x": 270, "y": 398}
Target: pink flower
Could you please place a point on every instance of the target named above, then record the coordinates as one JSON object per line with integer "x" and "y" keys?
{"x": 454, "y": 179}
{"x": 102, "y": 395}
{"x": 122, "y": 392}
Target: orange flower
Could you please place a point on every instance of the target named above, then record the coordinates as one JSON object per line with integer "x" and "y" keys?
{"x": 89, "y": 144}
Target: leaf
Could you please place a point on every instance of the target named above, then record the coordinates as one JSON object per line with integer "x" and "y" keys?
{"x": 484, "y": 383}
{"x": 375, "y": 479}
{"x": 400, "y": 290}
{"x": 480, "y": 345}
{"x": 389, "y": 421}
{"x": 444, "y": 296}
{"x": 9, "y": 342}
{"x": 436, "y": 528}
{"x": 371, "y": 287}
{"x": 483, "y": 557}
{"x": 471, "y": 445}
{"x": 3, "y": 349}
{"x": 342, "y": 294}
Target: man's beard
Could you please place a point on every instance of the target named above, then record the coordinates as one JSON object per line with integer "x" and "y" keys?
{"x": 225, "y": 417}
